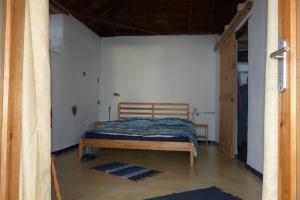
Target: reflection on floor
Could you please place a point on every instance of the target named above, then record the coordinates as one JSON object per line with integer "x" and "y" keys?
{"x": 79, "y": 182}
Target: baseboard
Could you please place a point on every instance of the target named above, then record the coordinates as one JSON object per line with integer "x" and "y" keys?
{"x": 254, "y": 171}
{"x": 65, "y": 149}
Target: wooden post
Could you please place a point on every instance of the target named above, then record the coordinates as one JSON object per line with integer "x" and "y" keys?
{"x": 11, "y": 84}
{"x": 288, "y": 104}
{"x": 55, "y": 180}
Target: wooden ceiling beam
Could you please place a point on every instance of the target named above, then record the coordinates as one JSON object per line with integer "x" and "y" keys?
{"x": 151, "y": 15}
{"x": 111, "y": 7}
{"x": 191, "y": 16}
{"x": 233, "y": 8}
{"x": 150, "y": 4}
{"x": 110, "y": 22}
{"x": 56, "y": 8}
{"x": 211, "y": 15}
{"x": 235, "y": 22}
{"x": 100, "y": 28}
{"x": 107, "y": 11}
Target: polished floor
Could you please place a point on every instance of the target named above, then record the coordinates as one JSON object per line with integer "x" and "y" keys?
{"x": 79, "y": 182}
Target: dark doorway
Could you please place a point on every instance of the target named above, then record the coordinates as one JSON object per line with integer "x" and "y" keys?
{"x": 242, "y": 93}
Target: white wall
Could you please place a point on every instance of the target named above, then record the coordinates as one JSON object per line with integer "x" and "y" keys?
{"x": 257, "y": 62}
{"x": 160, "y": 69}
{"x": 79, "y": 52}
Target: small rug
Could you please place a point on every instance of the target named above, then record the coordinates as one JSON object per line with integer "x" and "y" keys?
{"x": 211, "y": 193}
{"x": 126, "y": 171}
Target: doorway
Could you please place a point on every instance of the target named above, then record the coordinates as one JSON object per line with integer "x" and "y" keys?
{"x": 242, "y": 93}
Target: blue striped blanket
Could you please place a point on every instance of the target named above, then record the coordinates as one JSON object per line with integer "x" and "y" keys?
{"x": 150, "y": 127}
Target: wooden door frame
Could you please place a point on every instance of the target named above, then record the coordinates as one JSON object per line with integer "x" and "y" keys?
{"x": 11, "y": 97}
{"x": 298, "y": 101}
{"x": 289, "y": 104}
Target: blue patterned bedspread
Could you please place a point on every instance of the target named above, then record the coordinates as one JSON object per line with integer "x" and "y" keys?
{"x": 150, "y": 127}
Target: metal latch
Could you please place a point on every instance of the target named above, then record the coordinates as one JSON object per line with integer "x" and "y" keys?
{"x": 281, "y": 55}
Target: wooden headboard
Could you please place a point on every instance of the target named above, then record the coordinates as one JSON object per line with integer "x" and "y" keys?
{"x": 138, "y": 109}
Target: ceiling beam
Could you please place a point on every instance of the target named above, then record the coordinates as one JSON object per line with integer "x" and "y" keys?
{"x": 110, "y": 7}
{"x": 107, "y": 12}
{"x": 233, "y": 7}
{"x": 56, "y": 8}
{"x": 131, "y": 15}
{"x": 211, "y": 15}
{"x": 235, "y": 22}
{"x": 100, "y": 28}
{"x": 150, "y": 15}
{"x": 190, "y": 16}
{"x": 110, "y": 22}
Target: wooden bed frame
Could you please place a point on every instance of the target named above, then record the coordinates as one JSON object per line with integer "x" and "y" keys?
{"x": 133, "y": 109}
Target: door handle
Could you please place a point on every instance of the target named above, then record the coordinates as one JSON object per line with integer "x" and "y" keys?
{"x": 281, "y": 55}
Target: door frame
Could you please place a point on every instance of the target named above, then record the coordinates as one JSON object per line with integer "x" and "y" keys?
{"x": 289, "y": 104}
{"x": 298, "y": 100}
{"x": 11, "y": 97}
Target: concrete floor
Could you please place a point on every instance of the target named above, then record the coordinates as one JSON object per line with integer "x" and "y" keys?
{"x": 79, "y": 181}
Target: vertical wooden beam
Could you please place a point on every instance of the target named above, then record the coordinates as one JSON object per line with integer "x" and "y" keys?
{"x": 298, "y": 101}
{"x": 228, "y": 67}
{"x": 11, "y": 98}
{"x": 55, "y": 179}
{"x": 288, "y": 105}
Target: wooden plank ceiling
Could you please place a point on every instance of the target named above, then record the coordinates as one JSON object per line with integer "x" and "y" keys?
{"x": 149, "y": 17}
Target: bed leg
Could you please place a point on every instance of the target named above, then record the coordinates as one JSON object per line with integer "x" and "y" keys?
{"x": 192, "y": 158}
{"x": 80, "y": 150}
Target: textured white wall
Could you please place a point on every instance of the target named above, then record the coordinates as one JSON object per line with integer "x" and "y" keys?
{"x": 160, "y": 69}
{"x": 257, "y": 63}
{"x": 79, "y": 52}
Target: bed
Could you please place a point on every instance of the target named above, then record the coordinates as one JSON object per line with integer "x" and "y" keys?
{"x": 147, "y": 126}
